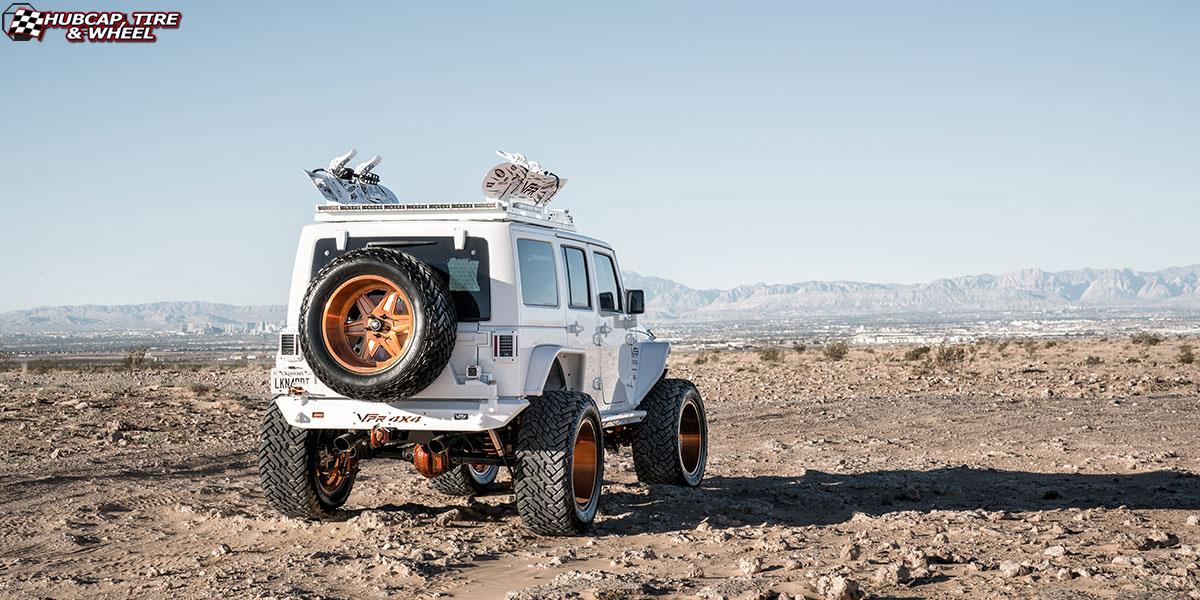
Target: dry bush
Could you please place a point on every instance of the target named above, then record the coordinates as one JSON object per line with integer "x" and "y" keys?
{"x": 1031, "y": 348}
{"x": 1092, "y": 361}
{"x": 917, "y": 353}
{"x": 201, "y": 388}
{"x": 770, "y": 354}
{"x": 948, "y": 356}
{"x": 6, "y": 360}
{"x": 798, "y": 348}
{"x": 134, "y": 358}
{"x": 1146, "y": 338}
{"x": 836, "y": 350}
{"x": 700, "y": 359}
{"x": 1186, "y": 356}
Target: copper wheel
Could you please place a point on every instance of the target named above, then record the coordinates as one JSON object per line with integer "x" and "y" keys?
{"x": 691, "y": 438}
{"x": 367, "y": 324}
{"x": 584, "y": 459}
{"x": 332, "y": 470}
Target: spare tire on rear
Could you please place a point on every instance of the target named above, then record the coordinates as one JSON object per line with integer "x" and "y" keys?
{"x": 377, "y": 324}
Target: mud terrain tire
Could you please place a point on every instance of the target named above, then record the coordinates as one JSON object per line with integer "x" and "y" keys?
{"x": 433, "y": 328}
{"x": 286, "y": 465}
{"x": 559, "y": 465}
{"x": 465, "y": 481}
{"x": 670, "y": 446}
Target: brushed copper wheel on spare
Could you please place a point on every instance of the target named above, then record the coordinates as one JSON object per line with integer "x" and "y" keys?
{"x": 691, "y": 438}
{"x": 584, "y": 460}
{"x": 367, "y": 324}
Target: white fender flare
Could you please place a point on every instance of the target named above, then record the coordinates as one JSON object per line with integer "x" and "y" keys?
{"x": 541, "y": 360}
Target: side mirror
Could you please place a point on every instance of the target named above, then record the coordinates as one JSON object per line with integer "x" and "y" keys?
{"x": 607, "y": 302}
{"x": 636, "y": 301}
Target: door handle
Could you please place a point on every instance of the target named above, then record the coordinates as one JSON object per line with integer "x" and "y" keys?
{"x": 575, "y": 328}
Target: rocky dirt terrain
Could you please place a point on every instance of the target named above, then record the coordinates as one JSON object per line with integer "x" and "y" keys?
{"x": 1060, "y": 471}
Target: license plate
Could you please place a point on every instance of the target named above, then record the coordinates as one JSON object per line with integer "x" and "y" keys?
{"x": 285, "y": 382}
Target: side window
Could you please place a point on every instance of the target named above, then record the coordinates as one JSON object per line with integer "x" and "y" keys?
{"x": 606, "y": 280}
{"x": 539, "y": 286}
{"x": 578, "y": 294}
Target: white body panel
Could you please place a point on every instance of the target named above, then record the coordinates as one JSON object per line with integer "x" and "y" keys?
{"x": 589, "y": 344}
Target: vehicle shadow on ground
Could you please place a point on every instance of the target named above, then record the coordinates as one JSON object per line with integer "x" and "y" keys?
{"x": 819, "y": 498}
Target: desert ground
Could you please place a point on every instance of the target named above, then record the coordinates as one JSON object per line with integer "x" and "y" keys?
{"x": 1065, "y": 470}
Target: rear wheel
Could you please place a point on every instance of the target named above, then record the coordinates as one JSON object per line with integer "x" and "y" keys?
{"x": 467, "y": 480}
{"x": 302, "y": 474}
{"x": 671, "y": 444}
{"x": 559, "y": 465}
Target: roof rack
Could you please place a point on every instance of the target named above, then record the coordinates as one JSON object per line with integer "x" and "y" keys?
{"x": 521, "y": 212}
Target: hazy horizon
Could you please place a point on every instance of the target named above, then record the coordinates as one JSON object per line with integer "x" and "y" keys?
{"x": 283, "y": 293}
{"x": 712, "y": 144}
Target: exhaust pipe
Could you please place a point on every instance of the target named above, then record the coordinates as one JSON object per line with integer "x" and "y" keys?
{"x": 440, "y": 444}
{"x": 353, "y": 443}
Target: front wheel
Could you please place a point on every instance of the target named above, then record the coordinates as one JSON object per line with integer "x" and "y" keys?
{"x": 302, "y": 474}
{"x": 670, "y": 445}
{"x": 559, "y": 465}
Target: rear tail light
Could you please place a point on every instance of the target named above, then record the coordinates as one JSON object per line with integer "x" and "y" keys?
{"x": 287, "y": 344}
{"x": 504, "y": 346}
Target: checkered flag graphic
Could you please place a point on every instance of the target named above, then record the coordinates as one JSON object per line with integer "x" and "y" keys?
{"x": 26, "y": 23}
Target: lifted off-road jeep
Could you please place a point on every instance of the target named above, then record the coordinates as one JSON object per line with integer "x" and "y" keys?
{"x": 464, "y": 338}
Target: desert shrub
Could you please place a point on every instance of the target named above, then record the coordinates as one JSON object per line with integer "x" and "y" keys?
{"x": 6, "y": 360}
{"x": 700, "y": 359}
{"x": 950, "y": 355}
{"x": 836, "y": 350}
{"x": 770, "y": 354}
{"x": 1146, "y": 338}
{"x": 1092, "y": 361}
{"x": 1051, "y": 343}
{"x": 917, "y": 353}
{"x": 1186, "y": 356}
{"x": 201, "y": 388}
{"x": 798, "y": 348}
{"x": 134, "y": 358}
{"x": 1031, "y": 348}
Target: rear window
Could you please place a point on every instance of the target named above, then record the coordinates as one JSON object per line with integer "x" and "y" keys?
{"x": 465, "y": 272}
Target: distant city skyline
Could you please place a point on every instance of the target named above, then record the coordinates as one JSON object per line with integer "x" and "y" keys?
{"x": 712, "y": 144}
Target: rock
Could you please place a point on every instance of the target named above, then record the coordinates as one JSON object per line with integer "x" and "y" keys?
{"x": 447, "y": 517}
{"x": 1055, "y": 551}
{"x": 837, "y": 587}
{"x": 750, "y": 565}
{"x": 1064, "y": 574}
{"x": 222, "y": 550}
{"x": 851, "y": 551}
{"x": 55, "y": 453}
{"x": 1157, "y": 539}
{"x": 1193, "y": 520}
{"x": 912, "y": 492}
{"x": 695, "y": 572}
{"x": 892, "y": 574}
{"x": 1013, "y": 569}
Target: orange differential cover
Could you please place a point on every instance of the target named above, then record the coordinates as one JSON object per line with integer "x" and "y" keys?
{"x": 430, "y": 464}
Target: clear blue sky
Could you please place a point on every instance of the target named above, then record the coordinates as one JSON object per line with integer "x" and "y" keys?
{"x": 713, "y": 144}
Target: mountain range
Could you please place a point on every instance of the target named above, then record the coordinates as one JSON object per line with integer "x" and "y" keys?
{"x": 1027, "y": 290}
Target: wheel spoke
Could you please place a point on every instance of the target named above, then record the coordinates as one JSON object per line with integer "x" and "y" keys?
{"x": 355, "y": 328}
{"x": 392, "y": 345}
{"x": 369, "y": 346}
{"x": 402, "y": 323}
{"x": 387, "y": 308}
{"x": 365, "y": 306}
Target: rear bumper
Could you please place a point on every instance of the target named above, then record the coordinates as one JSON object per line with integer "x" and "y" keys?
{"x": 309, "y": 412}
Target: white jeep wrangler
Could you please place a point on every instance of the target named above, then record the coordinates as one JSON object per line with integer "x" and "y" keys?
{"x": 467, "y": 337}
